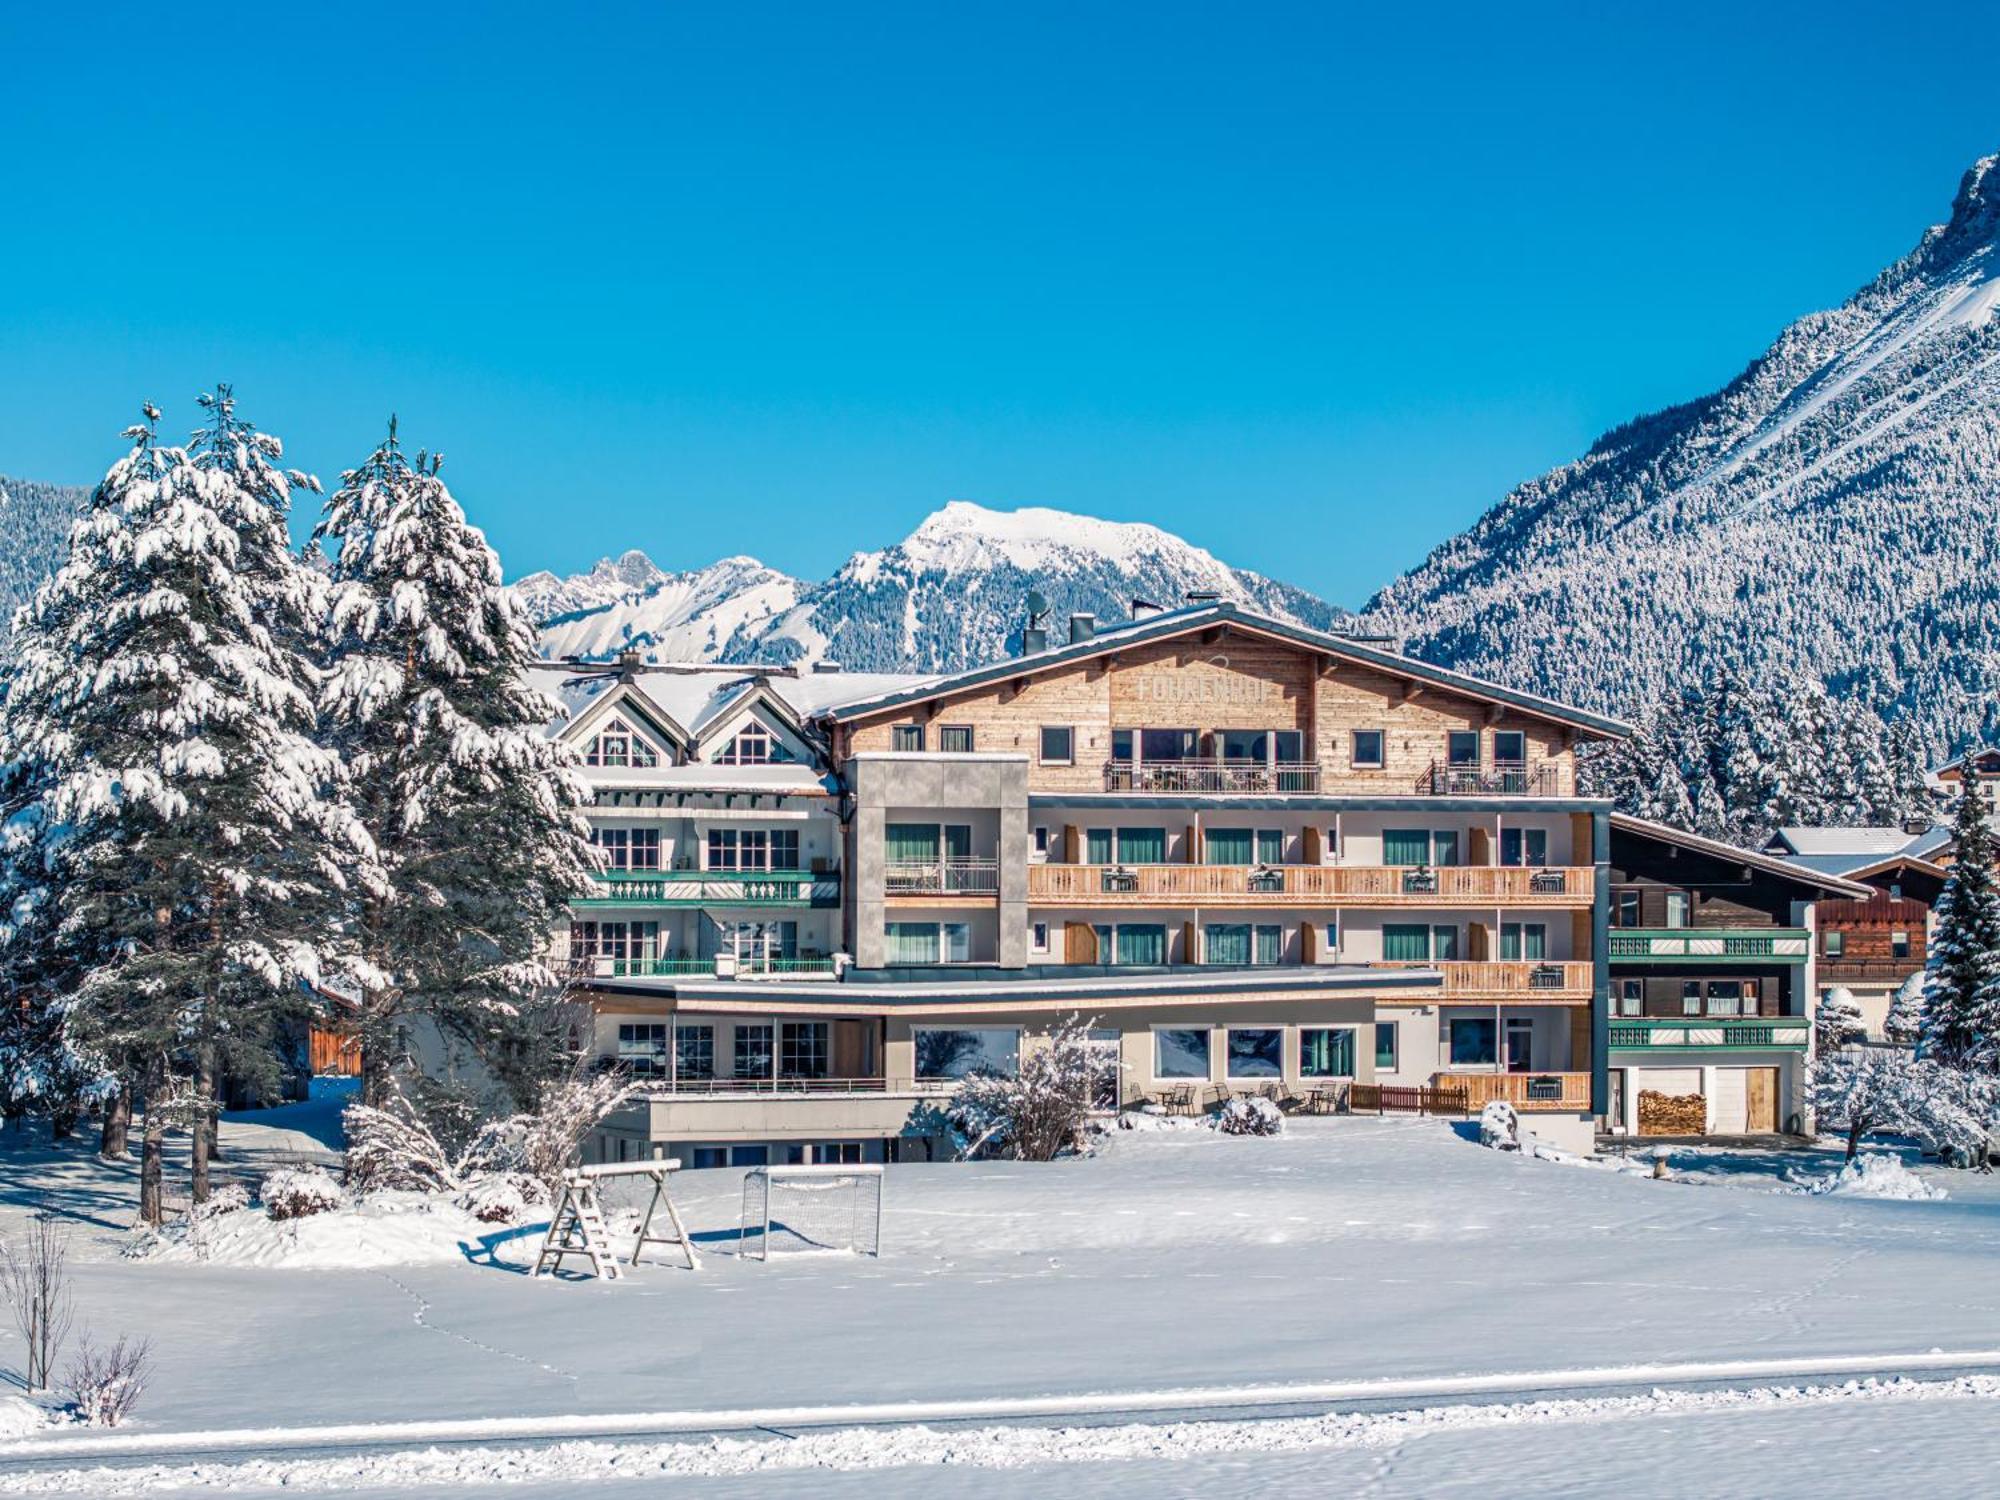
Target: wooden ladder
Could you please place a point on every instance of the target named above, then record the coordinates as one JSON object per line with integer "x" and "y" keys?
{"x": 578, "y": 1228}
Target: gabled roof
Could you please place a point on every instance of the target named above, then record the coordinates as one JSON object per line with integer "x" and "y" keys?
{"x": 1203, "y": 616}
{"x": 1770, "y": 864}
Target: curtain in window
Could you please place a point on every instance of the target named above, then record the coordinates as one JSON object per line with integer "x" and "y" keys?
{"x": 1270, "y": 846}
{"x": 958, "y": 840}
{"x": 1444, "y": 944}
{"x": 911, "y": 942}
{"x": 1142, "y": 846}
{"x": 1406, "y": 846}
{"x": 1406, "y": 942}
{"x": 1270, "y": 944}
{"x": 911, "y": 841}
{"x": 1228, "y": 944}
{"x": 1230, "y": 846}
{"x": 1142, "y": 945}
{"x": 1444, "y": 847}
{"x": 1097, "y": 846}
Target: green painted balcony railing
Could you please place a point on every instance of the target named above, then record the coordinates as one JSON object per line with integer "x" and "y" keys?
{"x": 1709, "y": 944}
{"x": 1703, "y": 1033}
{"x": 795, "y": 888}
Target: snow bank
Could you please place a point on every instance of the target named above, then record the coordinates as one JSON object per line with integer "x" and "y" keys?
{"x": 383, "y": 1229}
{"x": 20, "y": 1417}
{"x": 1874, "y": 1175}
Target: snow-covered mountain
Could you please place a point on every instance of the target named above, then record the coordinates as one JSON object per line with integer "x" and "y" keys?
{"x": 1833, "y": 508}
{"x": 34, "y": 524}
{"x": 950, "y": 594}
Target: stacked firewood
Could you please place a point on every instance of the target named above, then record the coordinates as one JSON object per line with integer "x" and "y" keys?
{"x": 1672, "y": 1114}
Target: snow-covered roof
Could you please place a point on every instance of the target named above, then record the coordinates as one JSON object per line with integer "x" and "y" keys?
{"x": 1825, "y": 880}
{"x": 1860, "y": 841}
{"x": 1178, "y": 621}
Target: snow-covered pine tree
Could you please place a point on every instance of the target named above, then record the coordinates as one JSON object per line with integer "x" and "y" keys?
{"x": 1961, "y": 1023}
{"x": 165, "y": 693}
{"x": 1905, "y": 1022}
{"x": 1836, "y": 1021}
{"x": 473, "y": 809}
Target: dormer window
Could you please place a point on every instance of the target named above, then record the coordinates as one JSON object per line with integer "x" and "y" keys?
{"x": 754, "y": 745}
{"x": 618, "y": 746}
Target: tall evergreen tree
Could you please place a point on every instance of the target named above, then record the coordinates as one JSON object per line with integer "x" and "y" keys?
{"x": 165, "y": 692}
{"x": 473, "y": 809}
{"x": 1961, "y": 1021}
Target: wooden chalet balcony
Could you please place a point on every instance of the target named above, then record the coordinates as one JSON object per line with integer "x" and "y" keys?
{"x": 1548, "y": 1093}
{"x": 1441, "y": 780}
{"x": 1529, "y": 980}
{"x": 1790, "y": 1033}
{"x": 941, "y": 877}
{"x": 1202, "y": 776}
{"x": 1709, "y": 944}
{"x": 819, "y": 888}
{"x": 1312, "y": 885}
{"x": 1866, "y": 970}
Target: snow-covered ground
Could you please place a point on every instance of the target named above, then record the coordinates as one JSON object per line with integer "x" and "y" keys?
{"x": 1344, "y": 1250}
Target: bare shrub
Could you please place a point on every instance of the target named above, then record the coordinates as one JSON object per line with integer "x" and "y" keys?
{"x": 1039, "y": 1113}
{"x": 104, "y": 1383}
{"x": 34, "y": 1270}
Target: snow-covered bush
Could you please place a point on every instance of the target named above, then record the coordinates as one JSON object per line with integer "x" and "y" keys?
{"x": 1499, "y": 1126}
{"x": 1837, "y": 1021}
{"x": 1874, "y": 1175}
{"x": 393, "y": 1148}
{"x": 503, "y": 1198}
{"x": 224, "y": 1198}
{"x": 299, "y": 1193}
{"x": 1249, "y": 1115}
{"x": 1949, "y": 1111}
{"x": 104, "y": 1383}
{"x": 1039, "y": 1113}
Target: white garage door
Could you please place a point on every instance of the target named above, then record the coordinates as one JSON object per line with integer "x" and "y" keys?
{"x": 1731, "y": 1105}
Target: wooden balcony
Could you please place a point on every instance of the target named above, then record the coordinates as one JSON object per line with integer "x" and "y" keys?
{"x": 1248, "y": 778}
{"x": 1547, "y": 1093}
{"x": 1310, "y": 885}
{"x": 1517, "y": 982}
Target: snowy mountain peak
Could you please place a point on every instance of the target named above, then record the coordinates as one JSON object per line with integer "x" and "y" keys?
{"x": 963, "y": 535}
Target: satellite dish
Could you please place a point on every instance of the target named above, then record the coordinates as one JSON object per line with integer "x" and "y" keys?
{"x": 1037, "y": 605}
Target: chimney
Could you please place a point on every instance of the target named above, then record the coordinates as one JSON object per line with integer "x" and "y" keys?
{"x": 1144, "y": 609}
{"x": 1914, "y": 826}
{"x": 628, "y": 664}
{"x": 1033, "y": 640}
{"x": 1081, "y": 628}
{"x": 1203, "y": 596}
{"x": 825, "y": 667}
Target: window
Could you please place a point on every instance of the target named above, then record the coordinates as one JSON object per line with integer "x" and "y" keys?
{"x": 955, "y": 739}
{"x": 1444, "y": 944}
{"x": 1725, "y": 997}
{"x": 1326, "y": 1052}
{"x": 1899, "y": 945}
{"x": 1038, "y": 937}
{"x": 1832, "y": 944}
{"x": 1385, "y": 1046}
{"x": 760, "y": 940}
{"x": 1270, "y": 846}
{"x": 754, "y": 745}
{"x": 838, "y": 1154}
{"x": 1444, "y": 847}
{"x": 960, "y": 1052}
{"x": 1524, "y": 846}
{"x": 1227, "y": 943}
{"x": 910, "y": 942}
{"x": 628, "y": 848}
{"x": 1256, "y": 1051}
{"x": 1625, "y": 908}
{"x": 1058, "y": 745}
{"x": 1288, "y": 748}
{"x": 616, "y": 747}
{"x": 753, "y": 848}
{"x": 1169, "y": 744}
{"x": 1042, "y": 840}
{"x": 621, "y": 942}
{"x": 1631, "y": 997}
{"x": 1270, "y": 945}
{"x": 1230, "y": 846}
{"x": 1679, "y": 906}
{"x": 1367, "y": 751}
{"x": 1141, "y": 944}
{"x": 1180, "y": 1053}
{"x": 1462, "y": 748}
{"x": 709, "y": 1156}
{"x": 956, "y": 940}
{"x": 1121, "y": 745}
{"x": 694, "y": 1052}
{"x": 907, "y": 737}
{"x": 802, "y": 1049}
{"x": 1142, "y": 846}
{"x": 1097, "y": 846}
{"x": 1524, "y": 941}
{"x": 1330, "y": 942}
{"x": 1406, "y": 943}
{"x": 1691, "y": 997}
{"x": 1510, "y": 747}
{"x": 1474, "y": 1042}
{"x": 642, "y": 1047}
{"x": 749, "y": 1156}
{"x": 753, "y": 1051}
{"x": 1406, "y": 846}
{"x": 1243, "y": 746}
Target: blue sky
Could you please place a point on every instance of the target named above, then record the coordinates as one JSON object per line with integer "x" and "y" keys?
{"x": 1311, "y": 286}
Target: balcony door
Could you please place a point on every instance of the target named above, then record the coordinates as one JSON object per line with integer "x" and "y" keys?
{"x": 1520, "y": 1045}
{"x": 1525, "y": 847}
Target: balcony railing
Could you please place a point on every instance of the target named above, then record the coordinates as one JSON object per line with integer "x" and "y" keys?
{"x": 1789, "y": 1032}
{"x": 1527, "y": 1092}
{"x": 714, "y": 888}
{"x": 1442, "y": 780}
{"x": 1509, "y": 979}
{"x": 1707, "y": 944}
{"x": 1208, "y": 776}
{"x": 747, "y": 966}
{"x": 941, "y": 877}
{"x": 1256, "y": 885}
{"x": 660, "y": 1086}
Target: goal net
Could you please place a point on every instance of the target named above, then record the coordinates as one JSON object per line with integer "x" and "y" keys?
{"x": 789, "y": 1209}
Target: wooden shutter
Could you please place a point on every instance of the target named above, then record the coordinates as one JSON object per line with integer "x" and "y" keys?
{"x": 1079, "y": 943}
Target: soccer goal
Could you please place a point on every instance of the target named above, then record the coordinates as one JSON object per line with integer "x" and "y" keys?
{"x": 811, "y": 1208}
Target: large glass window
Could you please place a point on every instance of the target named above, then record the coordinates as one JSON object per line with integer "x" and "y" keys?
{"x": 619, "y": 941}
{"x": 1180, "y": 1053}
{"x": 694, "y": 1051}
{"x": 1462, "y": 748}
{"x": 1097, "y": 846}
{"x": 1256, "y": 1051}
{"x": 1385, "y": 1046}
{"x": 1231, "y": 846}
{"x": 1406, "y": 942}
{"x": 1142, "y": 944}
{"x": 1510, "y": 747}
{"x": 1326, "y": 1052}
{"x": 802, "y": 1049}
{"x": 628, "y": 848}
{"x": 910, "y": 843}
{"x": 955, "y": 938}
{"x": 1270, "y": 846}
{"x": 1524, "y": 941}
{"x": 1406, "y": 846}
{"x": 1270, "y": 944}
{"x": 1228, "y": 943}
{"x": 1444, "y": 847}
{"x": 1169, "y": 744}
{"x": 960, "y": 1052}
{"x": 1444, "y": 944}
{"x": 753, "y": 1051}
{"x": 753, "y": 848}
{"x": 753, "y": 745}
{"x": 1474, "y": 1042}
{"x": 617, "y": 747}
{"x": 910, "y": 942}
{"x": 1725, "y": 998}
{"x": 1142, "y": 846}
{"x": 1243, "y": 746}
{"x": 642, "y": 1046}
